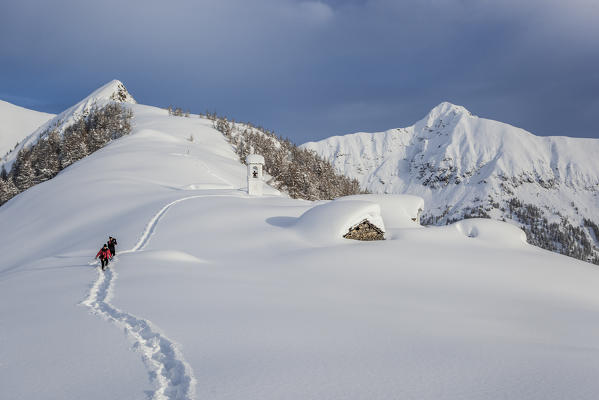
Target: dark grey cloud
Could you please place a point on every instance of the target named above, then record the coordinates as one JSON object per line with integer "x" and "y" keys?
{"x": 311, "y": 69}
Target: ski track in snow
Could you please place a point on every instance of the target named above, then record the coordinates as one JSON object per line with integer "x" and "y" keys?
{"x": 168, "y": 369}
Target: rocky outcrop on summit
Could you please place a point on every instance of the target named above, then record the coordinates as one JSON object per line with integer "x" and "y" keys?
{"x": 465, "y": 166}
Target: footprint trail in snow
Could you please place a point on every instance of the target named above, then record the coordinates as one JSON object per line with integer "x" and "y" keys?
{"x": 171, "y": 374}
{"x": 168, "y": 369}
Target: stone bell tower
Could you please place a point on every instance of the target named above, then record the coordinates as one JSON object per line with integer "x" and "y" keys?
{"x": 255, "y": 165}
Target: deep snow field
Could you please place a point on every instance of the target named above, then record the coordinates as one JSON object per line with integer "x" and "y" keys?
{"x": 217, "y": 295}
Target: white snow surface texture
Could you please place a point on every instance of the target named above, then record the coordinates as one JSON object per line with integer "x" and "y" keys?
{"x": 454, "y": 160}
{"x": 218, "y": 295}
{"x": 16, "y": 123}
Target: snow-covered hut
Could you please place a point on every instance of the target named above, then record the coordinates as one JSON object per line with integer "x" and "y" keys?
{"x": 255, "y": 164}
{"x": 335, "y": 220}
{"x": 359, "y": 217}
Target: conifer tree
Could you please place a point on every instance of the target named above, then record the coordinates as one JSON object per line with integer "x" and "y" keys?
{"x": 23, "y": 175}
{"x": 7, "y": 190}
{"x": 74, "y": 147}
{"x": 45, "y": 158}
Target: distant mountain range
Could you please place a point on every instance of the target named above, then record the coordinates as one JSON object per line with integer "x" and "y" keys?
{"x": 465, "y": 166}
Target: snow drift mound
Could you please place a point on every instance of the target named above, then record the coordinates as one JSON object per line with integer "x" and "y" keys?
{"x": 170, "y": 256}
{"x": 397, "y": 210}
{"x": 488, "y": 230}
{"x": 328, "y": 222}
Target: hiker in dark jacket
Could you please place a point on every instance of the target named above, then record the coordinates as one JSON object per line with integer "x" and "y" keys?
{"x": 111, "y": 245}
{"x": 104, "y": 255}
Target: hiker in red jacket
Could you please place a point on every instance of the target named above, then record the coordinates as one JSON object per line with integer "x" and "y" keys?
{"x": 104, "y": 255}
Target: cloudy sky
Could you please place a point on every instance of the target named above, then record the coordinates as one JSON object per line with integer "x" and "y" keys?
{"x": 312, "y": 69}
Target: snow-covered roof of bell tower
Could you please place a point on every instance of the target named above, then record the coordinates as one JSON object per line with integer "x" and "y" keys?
{"x": 254, "y": 159}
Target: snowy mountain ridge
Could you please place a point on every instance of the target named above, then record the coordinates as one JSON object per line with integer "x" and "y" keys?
{"x": 464, "y": 165}
{"x": 17, "y": 123}
{"x": 113, "y": 91}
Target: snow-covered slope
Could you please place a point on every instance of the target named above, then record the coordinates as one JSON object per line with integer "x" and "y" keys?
{"x": 218, "y": 295}
{"x": 16, "y": 123}
{"x": 112, "y": 91}
{"x": 465, "y": 165}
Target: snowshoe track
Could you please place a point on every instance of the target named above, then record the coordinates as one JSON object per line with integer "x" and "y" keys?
{"x": 167, "y": 367}
{"x": 168, "y": 370}
{"x": 151, "y": 227}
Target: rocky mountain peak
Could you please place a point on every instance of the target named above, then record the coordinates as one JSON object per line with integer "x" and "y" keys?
{"x": 114, "y": 90}
{"x": 444, "y": 114}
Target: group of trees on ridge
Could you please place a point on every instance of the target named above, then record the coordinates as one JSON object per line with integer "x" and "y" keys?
{"x": 54, "y": 152}
{"x": 560, "y": 237}
{"x": 299, "y": 172}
